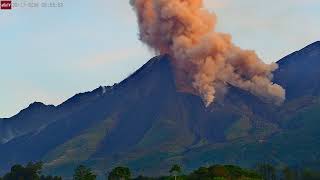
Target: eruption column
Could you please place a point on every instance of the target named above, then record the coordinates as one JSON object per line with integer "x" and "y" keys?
{"x": 205, "y": 61}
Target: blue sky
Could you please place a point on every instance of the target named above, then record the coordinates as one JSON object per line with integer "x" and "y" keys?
{"x": 50, "y": 54}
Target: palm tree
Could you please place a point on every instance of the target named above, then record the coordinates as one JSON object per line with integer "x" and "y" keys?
{"x": 175, "y": 170}
{"x": 83, "y": 173}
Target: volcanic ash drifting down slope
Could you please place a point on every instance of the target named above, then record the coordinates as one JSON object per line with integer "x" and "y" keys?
{"x": 205, "y": 61}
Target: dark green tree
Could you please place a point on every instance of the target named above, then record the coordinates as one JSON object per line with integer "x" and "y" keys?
{"x": 119, "y": 173}
{"x": 144, "y": 178}
{"x": 200, "y": 173}
{"x": 175, "y": 170}
{"x": 218, "y": 171}
{"x": 83, "y": 173}
{"x": 267, "y": 171}
{"x": 30, "y": 172}
{"x": 50, "y": 178}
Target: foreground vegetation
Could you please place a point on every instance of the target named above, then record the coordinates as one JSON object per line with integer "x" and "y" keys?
{"x": 32, "y": 171}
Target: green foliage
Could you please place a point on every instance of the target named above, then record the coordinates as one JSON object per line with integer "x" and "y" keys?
{"x": 175, "y": 169}
{"x": 83, "y": 173}
{"x": 267, "y": 171}
{"x": 222, "y": 172}
{"x": 32, "y": 171}
{"x": 143, "y": 178}
{"x": 216, "y": 172}
{"x": 50, "y": 178}
{"x": 120, "y": 173}
{"x": 200, "y": 173}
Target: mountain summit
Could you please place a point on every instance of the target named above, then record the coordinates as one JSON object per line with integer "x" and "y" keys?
{"x": 145, "y": 123}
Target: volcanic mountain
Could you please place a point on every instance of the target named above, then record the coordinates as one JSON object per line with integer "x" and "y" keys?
{"x": 146, "y": 124}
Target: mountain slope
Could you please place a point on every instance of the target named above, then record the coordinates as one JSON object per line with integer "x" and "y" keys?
{"x": 299, "y": 72}
{"x": 143, "y": 122}
{"x": 36, "y": 116}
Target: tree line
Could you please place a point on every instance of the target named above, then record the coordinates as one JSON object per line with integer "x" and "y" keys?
{"x": 32, "y": 171}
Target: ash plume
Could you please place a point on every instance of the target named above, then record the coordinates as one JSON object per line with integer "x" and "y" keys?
{"x": 205, "y": 61}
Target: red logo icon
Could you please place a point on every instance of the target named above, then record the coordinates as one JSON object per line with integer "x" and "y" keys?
{"x": 6, "y": 5}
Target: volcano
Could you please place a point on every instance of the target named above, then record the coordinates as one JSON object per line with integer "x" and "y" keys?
{"x": 145, "y": 123}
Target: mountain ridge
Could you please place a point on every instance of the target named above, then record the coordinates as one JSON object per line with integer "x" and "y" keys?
{"x": 313, "y": 46}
